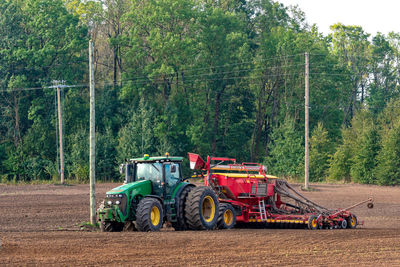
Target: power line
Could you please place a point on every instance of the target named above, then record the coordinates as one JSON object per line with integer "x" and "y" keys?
{"x": 348, "y": 56}
{"x": 238, "y": 63}
{"x": 149, "y": 79}
{"x": 336, "y": 74}
{"x": 41, "y": 88}
{"x": 140, "y": 82}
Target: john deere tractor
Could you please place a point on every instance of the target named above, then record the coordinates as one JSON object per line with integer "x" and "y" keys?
{"x": 154, "y": 192}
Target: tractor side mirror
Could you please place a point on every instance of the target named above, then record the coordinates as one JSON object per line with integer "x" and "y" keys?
{"x": 121, "y": 168}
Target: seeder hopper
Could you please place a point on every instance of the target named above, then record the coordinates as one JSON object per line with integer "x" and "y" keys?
{"x": 248, "y": 195}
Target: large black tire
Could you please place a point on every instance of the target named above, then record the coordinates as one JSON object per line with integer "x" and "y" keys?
{"x": 352, "y": 221}
{"x": 312, "y": 222}
{"x": 149, "y": 215}
{"x": 201, "y": 210}
{"x": 227, "y": 216}
{"x": 181, "y": 224}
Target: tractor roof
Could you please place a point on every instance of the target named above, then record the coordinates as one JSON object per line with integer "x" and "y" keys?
{"x": 146, "y": 158}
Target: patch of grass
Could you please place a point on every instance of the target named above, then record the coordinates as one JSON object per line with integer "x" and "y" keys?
{"x": 88, "y": 226}
{"x": 310, "y": 189}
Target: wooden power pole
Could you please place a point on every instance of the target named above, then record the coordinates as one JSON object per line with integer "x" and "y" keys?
{"x": 92, "y": 154}
{"x": 60, "y": 133}
{"x": 306, "y": 107}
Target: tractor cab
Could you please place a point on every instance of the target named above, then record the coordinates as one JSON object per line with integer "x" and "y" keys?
{"x": 164, "y": 173}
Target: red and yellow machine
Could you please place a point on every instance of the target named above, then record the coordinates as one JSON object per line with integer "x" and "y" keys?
{"x": 248, "y": 195}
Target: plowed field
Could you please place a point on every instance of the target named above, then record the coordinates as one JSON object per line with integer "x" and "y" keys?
{"x": 39, "y": 225}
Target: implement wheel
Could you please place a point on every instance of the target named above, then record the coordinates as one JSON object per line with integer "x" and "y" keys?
{"x": 149, "y": 215}
{"x": 201, "y": 210}
{"x": 181, "y": 224}
{"x": 352, "y": 221}
{"x": 312, "y": 222}
{"x": 227, "y": 216}
{"x": 343, "y": 224}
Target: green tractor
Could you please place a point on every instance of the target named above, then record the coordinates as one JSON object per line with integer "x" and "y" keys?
{"x": 153, "y": 192}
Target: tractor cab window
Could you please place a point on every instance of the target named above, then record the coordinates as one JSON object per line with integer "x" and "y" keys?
{"x": 172, "y": 175}
{"x": 149, "y": 171}
{"x": 153, "y": 172}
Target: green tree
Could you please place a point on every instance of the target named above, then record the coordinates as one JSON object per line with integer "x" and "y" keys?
{"x": 355, "y": 158}
{"x": 350, "y": 44}
{"x": 340, "y": 163}
{"x": 287, "y": 151}
{"x": 366, "y": 148}
{"x": 39, "y": 42}
{"x": 77, "y": 156}
{"x": 387, "y": 166}
{"x": 106, "y": 163}
{"x": 387, "y": 171}
{"x": 137, "y": 136}
{"x": 320, "y": 152}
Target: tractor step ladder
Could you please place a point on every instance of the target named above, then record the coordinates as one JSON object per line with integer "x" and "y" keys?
{"x": 263, "y": 212}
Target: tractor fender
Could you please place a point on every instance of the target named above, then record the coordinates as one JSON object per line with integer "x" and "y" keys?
{"x": 156, "y": 197}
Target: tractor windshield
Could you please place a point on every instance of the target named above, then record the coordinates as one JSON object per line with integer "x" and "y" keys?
{"x": 149, "y": 171}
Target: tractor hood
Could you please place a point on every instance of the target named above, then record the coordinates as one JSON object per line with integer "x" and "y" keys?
{"x": 142, "y": 187}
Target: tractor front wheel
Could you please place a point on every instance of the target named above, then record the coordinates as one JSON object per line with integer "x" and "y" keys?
{"x": 149, "y": 215}
{"x": 227, "y": 216}
{"x": 201, "y": 210}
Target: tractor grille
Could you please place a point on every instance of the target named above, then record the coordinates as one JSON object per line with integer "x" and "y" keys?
{"x": 117, "y": 197}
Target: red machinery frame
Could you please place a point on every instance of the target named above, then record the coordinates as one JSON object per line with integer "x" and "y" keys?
{"x": 252, "y": 194}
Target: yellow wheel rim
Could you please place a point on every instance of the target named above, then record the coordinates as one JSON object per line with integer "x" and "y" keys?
{"x": 155, "y": 216}
{"x": 314, "y": 223}
{"x": 208, "y": 209}
{"x": 353, "y": 221}
{"x": 228, "y": 217}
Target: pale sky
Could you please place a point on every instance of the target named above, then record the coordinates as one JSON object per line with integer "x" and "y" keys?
{"x": 371, "y": 15}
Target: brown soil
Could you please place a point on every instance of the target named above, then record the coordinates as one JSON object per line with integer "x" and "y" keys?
{"x": 39, "y": 224}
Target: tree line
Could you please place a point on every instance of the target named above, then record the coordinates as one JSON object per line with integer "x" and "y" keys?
{"x": 222, "y": 78}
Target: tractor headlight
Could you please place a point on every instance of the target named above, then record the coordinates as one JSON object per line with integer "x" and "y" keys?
{"x": 109, "y": 202}
{"x": 119, "y": 195}
{"x": 117, "y": 202}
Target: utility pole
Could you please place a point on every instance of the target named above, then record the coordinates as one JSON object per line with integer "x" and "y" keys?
{"x": 92, "y": 139}
{"x": 306, "y": 107}
{"x": 60, "y": 132}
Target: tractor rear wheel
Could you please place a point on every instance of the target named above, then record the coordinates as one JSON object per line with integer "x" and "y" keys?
{"x": 351, "y": 221}
{"x": 149, "y": 215}
{"x": 227, "y": 216}
{"x": 201, "y": 210}
{"x": 312, "y": 222}
{"x": 181, "y": 224}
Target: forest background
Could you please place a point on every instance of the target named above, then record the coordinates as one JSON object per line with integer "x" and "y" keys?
{"x": 222, "y": 78}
